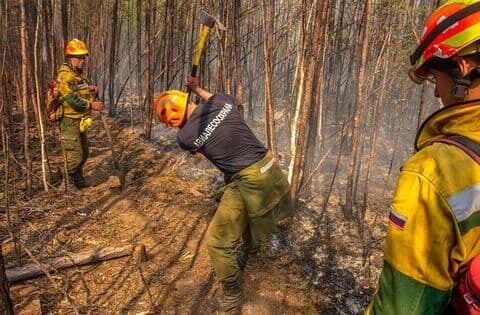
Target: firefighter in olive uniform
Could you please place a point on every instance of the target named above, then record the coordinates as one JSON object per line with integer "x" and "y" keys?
{"x": 77, "y": 98}
{"x": 256, "y": 195}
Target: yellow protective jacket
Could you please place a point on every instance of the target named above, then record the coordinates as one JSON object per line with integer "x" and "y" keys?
{"x": 434, "y": 221}
{"x": 75, "y": 96}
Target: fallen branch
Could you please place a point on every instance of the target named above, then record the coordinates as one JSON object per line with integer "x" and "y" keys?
{"x": 81, "y": 259}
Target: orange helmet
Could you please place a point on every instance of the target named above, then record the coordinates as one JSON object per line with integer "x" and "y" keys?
{"x": 453, "y": 29}
{"x": 171, "y": 107}
{"x": 76, "y": 47}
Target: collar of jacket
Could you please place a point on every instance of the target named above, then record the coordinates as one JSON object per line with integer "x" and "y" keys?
{"x": 65, "y": 67}
{"x": 460, "y": 119}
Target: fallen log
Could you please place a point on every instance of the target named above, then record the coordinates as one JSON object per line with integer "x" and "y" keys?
{"x": 80, "y": 259}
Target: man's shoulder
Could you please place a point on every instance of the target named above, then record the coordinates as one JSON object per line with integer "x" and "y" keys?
{"x": 65, "y": 72}
{"x": 437, "y": 155}
{"x": 445, "y": 166}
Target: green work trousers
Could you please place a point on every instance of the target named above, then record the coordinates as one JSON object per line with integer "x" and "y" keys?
{"x": 74, "y": 144}
{"x": 234, "y": 218}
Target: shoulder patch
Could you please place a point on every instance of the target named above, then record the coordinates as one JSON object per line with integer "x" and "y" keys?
{"x": 397, "y": 219}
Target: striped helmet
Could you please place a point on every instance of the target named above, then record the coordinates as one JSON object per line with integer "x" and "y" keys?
{"x": 453, "y": 29}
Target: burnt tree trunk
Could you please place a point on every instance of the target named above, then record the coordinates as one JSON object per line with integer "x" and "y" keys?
{"x": 139, "y": 61}
{"x": 359, "y": 103}
{"x": 316, "y": 49}
{"x": 24, "y": 91}
{"x": 6, "y": 305}
{"x": 111, "y": 69}
{"x": 150, "y": 54}
{"x": 268, "y": 33}
{"x": 237, "y": 34}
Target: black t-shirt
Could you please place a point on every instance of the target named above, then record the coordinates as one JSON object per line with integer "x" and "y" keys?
{"x": 218, "y": 131}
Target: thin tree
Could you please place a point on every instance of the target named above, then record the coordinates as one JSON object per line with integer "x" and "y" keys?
{"x": 45, "y": 168}
{"x": 139, "y": 60}
{"x": 6, "y": 305}
{"x": 359, "y": 103}
{"x": 268, "y": 32}
{"x": 316, "y": 50}
{"x": 111, "y": 69}
{"x": 150, "y": 54}
{"x": 237, "y": 35}
{"x": 26, "y": 120}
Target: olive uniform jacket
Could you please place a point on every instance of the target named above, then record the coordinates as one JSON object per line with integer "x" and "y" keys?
{"x": 434, "y": 221}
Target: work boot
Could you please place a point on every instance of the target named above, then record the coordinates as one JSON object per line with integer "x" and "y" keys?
{"x": 242, "y": 257}
{"x": 79, "y": 180}
{"x": 71, "y": 187}
{"x": 231, "y": 300}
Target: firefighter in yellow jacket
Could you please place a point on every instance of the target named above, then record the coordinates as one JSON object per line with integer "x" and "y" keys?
{"x": 77, "y": 101}
{"x": 434, "y": 221}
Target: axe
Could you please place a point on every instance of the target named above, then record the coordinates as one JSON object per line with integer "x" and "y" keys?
{"x": 207, "y": 22}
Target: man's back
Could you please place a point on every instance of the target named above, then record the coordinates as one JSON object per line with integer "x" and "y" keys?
{"x": 434, "y": 223}
{"x": 217, "y": 130}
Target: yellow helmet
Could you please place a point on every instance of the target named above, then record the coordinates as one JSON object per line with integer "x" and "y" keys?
{"x": 76, "y": 47}
{"x": 171, "y": 108}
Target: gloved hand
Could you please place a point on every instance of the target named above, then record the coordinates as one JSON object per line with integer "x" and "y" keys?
{"x": 93, "y": 89}
{"x": 193, "y": 82}
{"x": 97, "y": 106}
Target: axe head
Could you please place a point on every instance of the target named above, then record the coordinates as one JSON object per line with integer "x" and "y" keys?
{"x": 210, "y": 21}
{"x": 206, "y": 19}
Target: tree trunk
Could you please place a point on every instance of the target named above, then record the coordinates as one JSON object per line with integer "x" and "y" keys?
{"x": 299, "y": 84}
{"x": 111, "y": 70}
{"x": 45, "y": 168}
{"x": 64, "y": 8}
{"x": 359, "y": 103}
{"x": 237, "y": 34}
{"x": 140, "y": 102}
{"x": 315, "y": 119}
{"x": 26, "y": 120}
{"x": 6, "y": 305}
{"x": 268, "y": 33}
{"x": 316, "y": 50}
{"x": 150, "y": 53}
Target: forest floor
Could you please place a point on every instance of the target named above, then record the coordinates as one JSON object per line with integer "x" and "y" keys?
{"x": 321, "y": 265}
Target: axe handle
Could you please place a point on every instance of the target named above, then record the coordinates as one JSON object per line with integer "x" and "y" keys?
{"x": 194, "y": 70}
{"x": 204, "y": 31}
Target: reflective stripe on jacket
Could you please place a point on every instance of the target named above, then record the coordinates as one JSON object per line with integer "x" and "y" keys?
{"x": 434, "y": 221}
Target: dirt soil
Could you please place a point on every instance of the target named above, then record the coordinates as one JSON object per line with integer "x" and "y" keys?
{"x": 169, "y": 199}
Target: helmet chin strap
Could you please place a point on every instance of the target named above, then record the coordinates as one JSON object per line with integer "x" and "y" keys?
{"x": 462, "y": 84}
{"x": 460, "y": 90}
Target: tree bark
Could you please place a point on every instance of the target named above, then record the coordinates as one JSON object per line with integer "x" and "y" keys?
{"x": 111, "y": 70}
{"x": 26, "y": 120}
{"x": 316, "y": 50}
{"x": 237, "y": 34}
{"x": 359, "y": 103}
{"x": 150, "y": 53}
{"x": 269, "y": 29}
{"x": 38, "y": 102}
{"x": 139, "y": 61}
{"x": 64, "y": 8}
{"x": 6, "y": 305}
{"x": 80, "y": 259}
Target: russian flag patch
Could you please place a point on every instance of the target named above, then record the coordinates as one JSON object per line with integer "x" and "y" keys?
{"x": 397, "y": 219}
